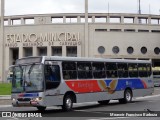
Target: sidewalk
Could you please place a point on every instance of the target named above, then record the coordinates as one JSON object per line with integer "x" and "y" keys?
{"x": 5, "y": 97}
{"x": 5, "y": 100}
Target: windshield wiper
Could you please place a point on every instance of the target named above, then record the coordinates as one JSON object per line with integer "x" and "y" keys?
{"x": 21, "y": 78}
{"x": 31, "y": 68}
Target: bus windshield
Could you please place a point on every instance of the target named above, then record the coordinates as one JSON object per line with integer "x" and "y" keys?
{"x": 27, "y": 78}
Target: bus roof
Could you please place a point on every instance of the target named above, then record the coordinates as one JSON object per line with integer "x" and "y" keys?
{"x": 58, "y": 58}
{"x": 41, "y": 59}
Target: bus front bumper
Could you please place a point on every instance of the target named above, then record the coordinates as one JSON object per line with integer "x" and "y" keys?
{"x": 24, "y": 102}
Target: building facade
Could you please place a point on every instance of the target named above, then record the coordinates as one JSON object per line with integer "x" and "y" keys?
{"x": 129, "y": 36}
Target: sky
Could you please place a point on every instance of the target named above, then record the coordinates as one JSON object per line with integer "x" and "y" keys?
{"x": 21, "y": 7}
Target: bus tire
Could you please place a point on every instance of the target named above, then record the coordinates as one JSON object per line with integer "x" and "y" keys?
{"x": 41, "y": 108}
{"x": 127, "y": 97}
{"x": 67, "y": 103}
{"x": 104, "y": 102}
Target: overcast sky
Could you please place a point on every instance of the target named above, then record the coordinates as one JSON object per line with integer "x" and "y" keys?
{"x": 20, "y": 7}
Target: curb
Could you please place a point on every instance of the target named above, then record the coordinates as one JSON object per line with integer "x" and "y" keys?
{"x": 3, "y": 106}
{"x": 5, "y": 97}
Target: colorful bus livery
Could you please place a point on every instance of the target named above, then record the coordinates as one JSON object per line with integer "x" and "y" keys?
{"x": 110, "y": 86}
{"x": 46, "y": 81}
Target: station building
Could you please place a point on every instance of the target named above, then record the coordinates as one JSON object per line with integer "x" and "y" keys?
{"x": 107, "y": 35}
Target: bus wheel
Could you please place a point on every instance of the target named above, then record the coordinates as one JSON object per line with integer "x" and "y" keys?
{"x": 104, "y": 102}
{"x": 41, "y": 108}
{"x": 127, "y": 97}
{"x": 67, "y": 103}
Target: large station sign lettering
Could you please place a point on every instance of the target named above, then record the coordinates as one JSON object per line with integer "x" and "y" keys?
{"x": 34, "y": 39}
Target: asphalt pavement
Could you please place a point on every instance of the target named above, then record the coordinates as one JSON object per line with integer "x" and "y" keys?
{"x": 90, "y": 111}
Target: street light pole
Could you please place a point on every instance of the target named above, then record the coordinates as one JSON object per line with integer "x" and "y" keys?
{"x": 86, "y": 30}
{"x": 139, "y": 11}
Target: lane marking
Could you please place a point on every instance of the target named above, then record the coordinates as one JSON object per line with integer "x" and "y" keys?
{"x": 5, "y": 105}
{"x": 90, "y": 111}
{"x": 151, "y": 101}
{"x": 147, "y": 97}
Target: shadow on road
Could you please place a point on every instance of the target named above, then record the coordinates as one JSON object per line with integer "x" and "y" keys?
{"x": 79, "y": 111}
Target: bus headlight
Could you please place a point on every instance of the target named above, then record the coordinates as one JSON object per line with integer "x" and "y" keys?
{"x": 13, "y": 99}
{"x": 37, "y": 99}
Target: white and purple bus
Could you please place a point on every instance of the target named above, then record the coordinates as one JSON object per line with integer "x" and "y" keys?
{"x": 61, "y": 81}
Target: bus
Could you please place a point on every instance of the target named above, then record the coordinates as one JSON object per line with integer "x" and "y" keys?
{"x": 156, "y": 76}
{"x": 61, "y": 81}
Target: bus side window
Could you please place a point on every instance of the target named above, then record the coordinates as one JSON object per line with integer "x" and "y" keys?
{"x": 98, "y": 70}
{"x": 122, "y": 70}
{"x": 142, "y": 69}
{"x": 52, "y": 76}
{"x": 84, "y": 70}
{"x": 111, "y": 70}
{"x": 149, "y": 70}
{"x": 69, "y": 70}
{"x": 133, "y": 70}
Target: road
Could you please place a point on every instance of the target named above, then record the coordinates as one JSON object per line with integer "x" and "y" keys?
{"x": 94, "y": 111}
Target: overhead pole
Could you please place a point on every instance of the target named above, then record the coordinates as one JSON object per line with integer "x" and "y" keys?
{"x": 108, "y": 7}
{"x": 139, "y": 10}
{"x": 149, "y": 9}
{"x": 86, "y": 30}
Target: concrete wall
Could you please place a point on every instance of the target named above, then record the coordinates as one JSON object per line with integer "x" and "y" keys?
{"x": 101, "y": 30}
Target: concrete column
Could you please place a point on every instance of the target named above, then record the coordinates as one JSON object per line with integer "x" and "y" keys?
{"x": 122, "y": 19}
{"x": 7, "y": 58}
{"x": 2, "y": 51}
{"x": 79, "y": 51}
{"x": 136, "y": 20}
{"x": 9, "y": 21}
{"x": 149, "y": 20}
{"x": 10, "y": 55}
{"x": 21, "y": 52}
{"x": 22, "y": 21}
{"x": 64, "y": 19}
{"x": 64, "y": 51}
{"x": 78, "y": 19}
{"x": 108, "y": 19}
{"x": 49, "y": 51}
{"x": 35, "y": 51}
{"x": 93, "y": 19}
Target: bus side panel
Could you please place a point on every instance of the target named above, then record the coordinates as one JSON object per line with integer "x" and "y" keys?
{"x": 98, "y": 96}
{"x": 142, "y": 92}
{"x": 55, "y": 96}
{"x": 156, "y": 80}
{"x": 110, "y": 86}
{"x": 51, "y": 100}
{"x": 93, "y": 90}
{"x": 96, "y": 90}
